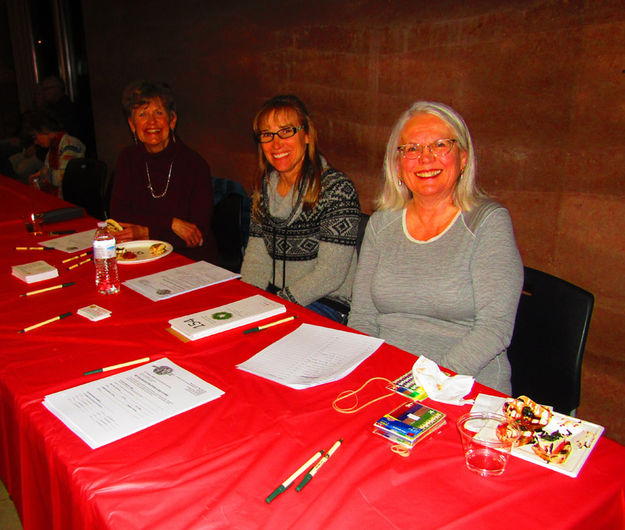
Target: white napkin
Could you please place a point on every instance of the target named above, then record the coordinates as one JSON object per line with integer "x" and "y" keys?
{"x": 441, "y": 387}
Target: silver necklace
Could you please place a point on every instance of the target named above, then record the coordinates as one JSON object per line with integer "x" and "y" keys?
{"x": 147, "y": 172}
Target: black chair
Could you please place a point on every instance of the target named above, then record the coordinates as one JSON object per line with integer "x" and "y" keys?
{"x": 230, "y": 224}
{"x": 84, "y": 184}
{"x": 226, "y": 225}
{"x": 547, "y": 346}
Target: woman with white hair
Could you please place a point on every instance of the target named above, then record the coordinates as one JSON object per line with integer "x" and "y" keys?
{"x": 439, "y": 272}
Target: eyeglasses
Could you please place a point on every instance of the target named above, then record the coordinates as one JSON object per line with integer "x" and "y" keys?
{"x": 438, "y": 148}
{"x": 265, "y": 137}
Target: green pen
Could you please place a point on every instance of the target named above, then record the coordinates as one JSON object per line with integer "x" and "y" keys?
{"x": 314, "y": 470}
{"x": 282, "y": 487}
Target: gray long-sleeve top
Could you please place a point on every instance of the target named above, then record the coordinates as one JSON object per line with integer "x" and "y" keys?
{"x": 315, "y": 249}
{"x": 452, "y": 298}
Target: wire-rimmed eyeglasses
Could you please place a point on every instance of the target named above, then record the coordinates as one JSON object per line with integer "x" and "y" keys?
{"x": 440, "y": 147}
{"x": 265, "y": 137}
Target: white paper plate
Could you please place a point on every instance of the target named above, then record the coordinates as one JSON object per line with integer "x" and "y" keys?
{"x": 139, "y": 251}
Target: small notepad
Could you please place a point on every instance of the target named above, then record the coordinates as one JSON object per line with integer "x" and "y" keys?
{"x": 94, "y": 312}
{"x": 36, "y": 271}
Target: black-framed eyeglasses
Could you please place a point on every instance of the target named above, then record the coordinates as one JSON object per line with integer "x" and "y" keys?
{"x": 265, "y": 137}
{"x": 440, "y": 147}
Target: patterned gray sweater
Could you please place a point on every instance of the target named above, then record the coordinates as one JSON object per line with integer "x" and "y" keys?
{"x": 452, "y": 298}
{"x": 307, "y": 254}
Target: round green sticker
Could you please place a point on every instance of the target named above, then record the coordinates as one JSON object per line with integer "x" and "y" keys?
{"x": 222, "y": 315}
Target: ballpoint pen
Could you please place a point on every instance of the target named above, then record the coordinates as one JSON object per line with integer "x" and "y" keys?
{"x": 314, "y": 470}
{"x": 78, "y": 264}
{"x": 282, "y": 487}
{"x": 49, "y": 321}
{"x": 60, "y": 286}
{"x": 34, "y": 248}
{"x": 116, "y": 366}
{"x": 271, "y": 324}
{"x": 77, "y": 256}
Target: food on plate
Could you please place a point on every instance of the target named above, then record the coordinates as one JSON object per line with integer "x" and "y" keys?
{"x": 528, "y": 415}
{"x": 549, "y": 441}
{"x": 527, "y": 412}
{"x": 127, "y": 254}
{"x": 552, "y": 447}
{"x": 512, "y": 432}
{"x": 114, "y": 225}
{"x": 158, "y": 249}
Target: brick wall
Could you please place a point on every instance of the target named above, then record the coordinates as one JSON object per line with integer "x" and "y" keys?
{"x": 540, "y": 84}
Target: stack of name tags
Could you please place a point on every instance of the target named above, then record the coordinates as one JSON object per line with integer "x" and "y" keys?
{"x": 36, "y": 271}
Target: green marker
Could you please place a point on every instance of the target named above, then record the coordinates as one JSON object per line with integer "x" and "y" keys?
{"x": 282, "y": 487}
{"x": 314, "y": 470}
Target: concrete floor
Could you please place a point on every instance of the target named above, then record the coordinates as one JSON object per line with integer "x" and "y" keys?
{"x": 8, "y": 516}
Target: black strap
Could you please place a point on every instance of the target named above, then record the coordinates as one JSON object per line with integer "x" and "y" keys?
{"x": 335, "y": 304}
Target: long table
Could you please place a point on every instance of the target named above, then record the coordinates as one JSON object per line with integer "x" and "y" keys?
{"x": 213, "y": 466}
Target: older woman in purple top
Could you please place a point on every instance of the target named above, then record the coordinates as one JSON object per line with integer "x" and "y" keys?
{"x": 162, "y": 188}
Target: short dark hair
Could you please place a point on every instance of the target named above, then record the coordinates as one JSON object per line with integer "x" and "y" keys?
{"x": 42, "y": 122}
{"x": 139, "y": 93}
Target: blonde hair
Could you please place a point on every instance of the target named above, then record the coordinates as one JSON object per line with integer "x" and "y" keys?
{"x": 467, "y": 192}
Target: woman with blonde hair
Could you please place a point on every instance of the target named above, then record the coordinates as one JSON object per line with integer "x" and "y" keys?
{"x": 305, "y": 215}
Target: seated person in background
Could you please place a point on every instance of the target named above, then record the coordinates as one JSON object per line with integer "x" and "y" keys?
{"x": 305, "y": 215}
{"x": 163, "y": 189}
{"x": 19, "y": 156}
{"x": 62, "y": 147}
{"x": 57, "y": 102}
{"x": 27, "y": 157}
{"x": 439, "y": 271}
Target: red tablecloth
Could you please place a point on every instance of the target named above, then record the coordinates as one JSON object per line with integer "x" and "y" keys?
{"x": 213, "y": 467}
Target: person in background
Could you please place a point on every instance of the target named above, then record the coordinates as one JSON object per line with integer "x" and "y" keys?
{"x": 57, "y": 102}
{"x": 20, "y": 157}
{"x": 48, "y": 133}
{"x": 305, "y": 215}
{"x": 439, "y": 272}
{"x": 162, "y": 189}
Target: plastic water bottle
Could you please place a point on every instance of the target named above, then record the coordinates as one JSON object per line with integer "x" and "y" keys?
{"x": 105, "y": 259}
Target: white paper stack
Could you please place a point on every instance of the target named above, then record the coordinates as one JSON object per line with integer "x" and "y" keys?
{"x": 225, "y": 317}
{"x": 179, "y": 280}
{"x": 311, "y": 355}
{"x": 36, "y": 271}
{"x": 72, "y": 242}
{"x": 114, "y": 407}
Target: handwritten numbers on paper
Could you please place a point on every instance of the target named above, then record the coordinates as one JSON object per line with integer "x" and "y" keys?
{"x": 193, "y": 324}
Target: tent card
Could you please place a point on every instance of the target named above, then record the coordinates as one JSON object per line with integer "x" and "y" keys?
{"x": 225, "y": 317}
